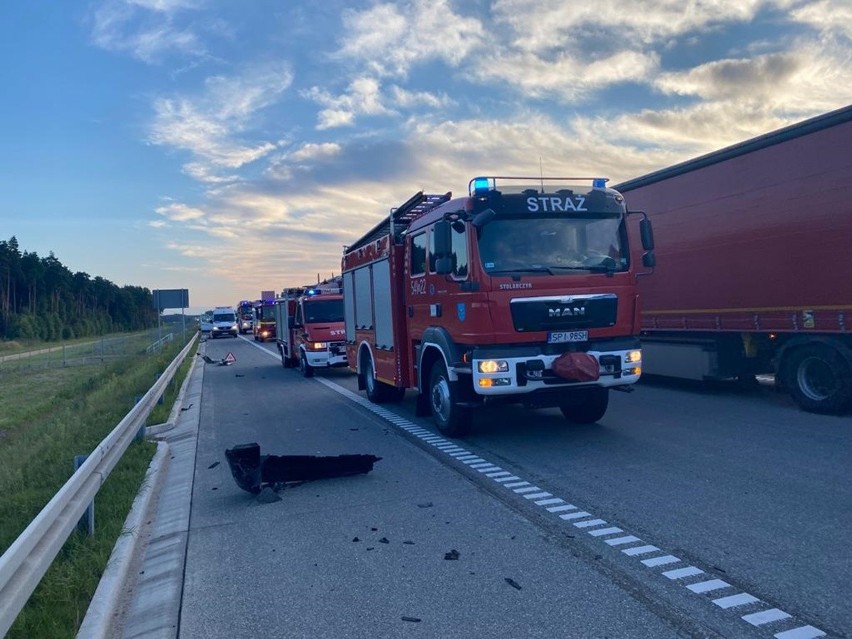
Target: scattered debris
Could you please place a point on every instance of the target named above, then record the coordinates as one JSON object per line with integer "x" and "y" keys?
{"x": 252, "y": 471}
{"x": 412, "y": 619}
{"x": 356, "y": 539}
{"x": 238, "y": 375}
{"x": 187, "y": 408}
{"x": 225, "y": 361}
{"x": 452, "y": 555}
{"x": 427, "y": 504}
{"x": 513, "y": 583}
{"x": 213, "y": 465}
{"x": 408, "y": 543}
{"x": 268, "y": 496}
{"x": 384, "y": 540}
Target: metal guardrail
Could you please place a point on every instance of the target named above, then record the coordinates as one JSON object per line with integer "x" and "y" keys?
{"x": 24, "y": 563}
{"x": 158, "y": 345}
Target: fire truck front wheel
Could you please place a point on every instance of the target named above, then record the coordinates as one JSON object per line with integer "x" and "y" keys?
{"x": 450, "y": 418}
{"x": 304, "y": 368}
{"x": 586, "y": 406}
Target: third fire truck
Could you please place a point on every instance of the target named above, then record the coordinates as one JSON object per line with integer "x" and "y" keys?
{"x": 523, "y": 291}
{"x": 309, "y": 325}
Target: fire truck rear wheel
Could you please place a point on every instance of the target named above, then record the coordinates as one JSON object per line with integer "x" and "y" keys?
{"x": 450, "y": 418}
{"x": 304, "y": 368}
{"x": 586, "y": 408}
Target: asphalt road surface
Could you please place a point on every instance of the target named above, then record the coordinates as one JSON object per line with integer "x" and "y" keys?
{"x": 688, "y": 511}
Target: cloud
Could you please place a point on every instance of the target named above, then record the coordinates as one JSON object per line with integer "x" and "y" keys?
{"x": 547, "y": 25}
{"x": 412, "y": 99}
{"x": 177, "y": 212}
{"x": 563, "y": 76}
{"x": 146, "y": 29}
{"x": 362, "y": 98}
{"x": 391, "y": 38}
{"x": 208, "y": 125}
{"x": 829, "y": 17}
{"x": 802, "y": 82}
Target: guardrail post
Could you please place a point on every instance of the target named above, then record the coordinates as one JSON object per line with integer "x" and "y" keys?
{"x": 86, "y": 525}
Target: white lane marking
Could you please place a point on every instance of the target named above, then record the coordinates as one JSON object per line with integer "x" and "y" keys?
{"x": 804, "y": 632}
{"x": 559, "y": 509}
{"x": 735, "y": 600}
{"x": 766, "y": 616}
{"x": 618, "y": 541}
{"x": 680, "y": 573}
{"x": 547, "y": 502}
{"x": 578, "y": 515}
{"x": 707, "y": 586}
{"x": 527, "y": 489}
{"x": 484, "y": 465}
{"x": 600, "y": 532}
{"x": 660, "y": 561}
{"x": 538, "y": 495}
{"x": 503, "y": 477}
{"x": 640, "y": 550}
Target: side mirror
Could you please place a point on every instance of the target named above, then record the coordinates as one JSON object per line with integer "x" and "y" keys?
{"x": 443, "y": 238}
{"x": 649, "y": 259}
{"x": 444, "y": 265}
{"x": 482, "y": 218}
{"x": 646, "y": 231}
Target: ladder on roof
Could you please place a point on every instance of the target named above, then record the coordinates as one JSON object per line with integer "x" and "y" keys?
{"x": 401, "y": 216}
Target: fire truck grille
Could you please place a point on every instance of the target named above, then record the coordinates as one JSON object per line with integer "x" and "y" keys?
{"x": 567, "y": 313}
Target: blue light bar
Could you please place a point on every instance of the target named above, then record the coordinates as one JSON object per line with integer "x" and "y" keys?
{"x": 599, "y": 183}
{"x": 481, "y": 185}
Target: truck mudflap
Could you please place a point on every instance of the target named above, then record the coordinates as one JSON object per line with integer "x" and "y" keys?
{"x": 524, "y": 374}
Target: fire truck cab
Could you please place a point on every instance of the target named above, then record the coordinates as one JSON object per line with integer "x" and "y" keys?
{"x": 263, "y": 324}
{"x": 519, "y": 292}
{"x": 309, "y": 325}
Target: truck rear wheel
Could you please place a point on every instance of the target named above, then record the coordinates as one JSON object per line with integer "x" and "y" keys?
{"x": 450, "y": 418}
{"x": 304, "y": 368}
{"x": 586, "y": 406}
{"x": 819, "y": 379}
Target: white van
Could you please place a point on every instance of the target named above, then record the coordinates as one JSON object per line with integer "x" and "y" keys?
{"x": 224, "y": 322}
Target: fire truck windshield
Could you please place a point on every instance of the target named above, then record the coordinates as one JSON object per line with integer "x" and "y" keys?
{"x": 551, "y": 245}
{"x": 319, "y": 310}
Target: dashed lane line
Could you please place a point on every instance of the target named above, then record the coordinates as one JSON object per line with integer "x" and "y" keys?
{"x": 788, "y": 627}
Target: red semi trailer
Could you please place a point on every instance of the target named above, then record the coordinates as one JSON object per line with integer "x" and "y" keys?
{"x": 522, "y": 291}
{"x": 754, "y": 275}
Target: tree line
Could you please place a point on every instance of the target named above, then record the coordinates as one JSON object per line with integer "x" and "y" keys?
{"x": 40, "y": 298}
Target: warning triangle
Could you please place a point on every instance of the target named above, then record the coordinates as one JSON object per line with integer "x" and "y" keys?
{"x": 229, "y": 358}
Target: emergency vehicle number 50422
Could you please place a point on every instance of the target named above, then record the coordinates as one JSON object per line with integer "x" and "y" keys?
{"x": 558, "y": 337}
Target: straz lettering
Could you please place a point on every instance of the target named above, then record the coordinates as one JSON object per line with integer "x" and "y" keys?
{"x": 514, "y": 285}
{"x": 567, "y": 311}
{"x": 418, "y": 286}
{"x": 553, "y": 204}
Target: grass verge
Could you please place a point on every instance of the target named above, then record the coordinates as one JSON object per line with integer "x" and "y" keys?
{"x": 45, "y": 419}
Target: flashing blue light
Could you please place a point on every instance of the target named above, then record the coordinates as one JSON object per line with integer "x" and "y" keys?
{"x": 481, "y": 185}
{"x": 312, "y": 292}
{"x": 599, "y": 183}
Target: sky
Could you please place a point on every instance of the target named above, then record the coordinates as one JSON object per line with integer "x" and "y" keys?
{"x": 234, "y": 147}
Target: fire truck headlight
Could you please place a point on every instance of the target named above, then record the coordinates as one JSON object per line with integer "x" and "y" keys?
{"x": 317, "y": 346}
{"x": 490, "y": 382}
{"x": 493, "y": 366}
{"x": 633, "y": 356}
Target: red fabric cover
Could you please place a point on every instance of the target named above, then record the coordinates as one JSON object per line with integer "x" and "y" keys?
{"x": 577, "y": 367}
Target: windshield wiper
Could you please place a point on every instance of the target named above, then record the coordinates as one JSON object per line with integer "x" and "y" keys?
{"x": 529, "y": 269}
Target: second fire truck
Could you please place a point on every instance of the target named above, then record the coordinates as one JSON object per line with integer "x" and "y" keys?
{"x": 523, "y": 291}
{"x": 309, "y": 325}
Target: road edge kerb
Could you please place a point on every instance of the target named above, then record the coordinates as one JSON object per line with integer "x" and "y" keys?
{"x": 106, "y": 602}
{"x": 107, "y": 605}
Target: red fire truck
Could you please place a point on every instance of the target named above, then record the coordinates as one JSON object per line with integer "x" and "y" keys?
{"x": 309, "y": 325}
{"x": 263, "y": 325}
{"x": 244, "y": 316}
{"x": 523, "y": 291}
